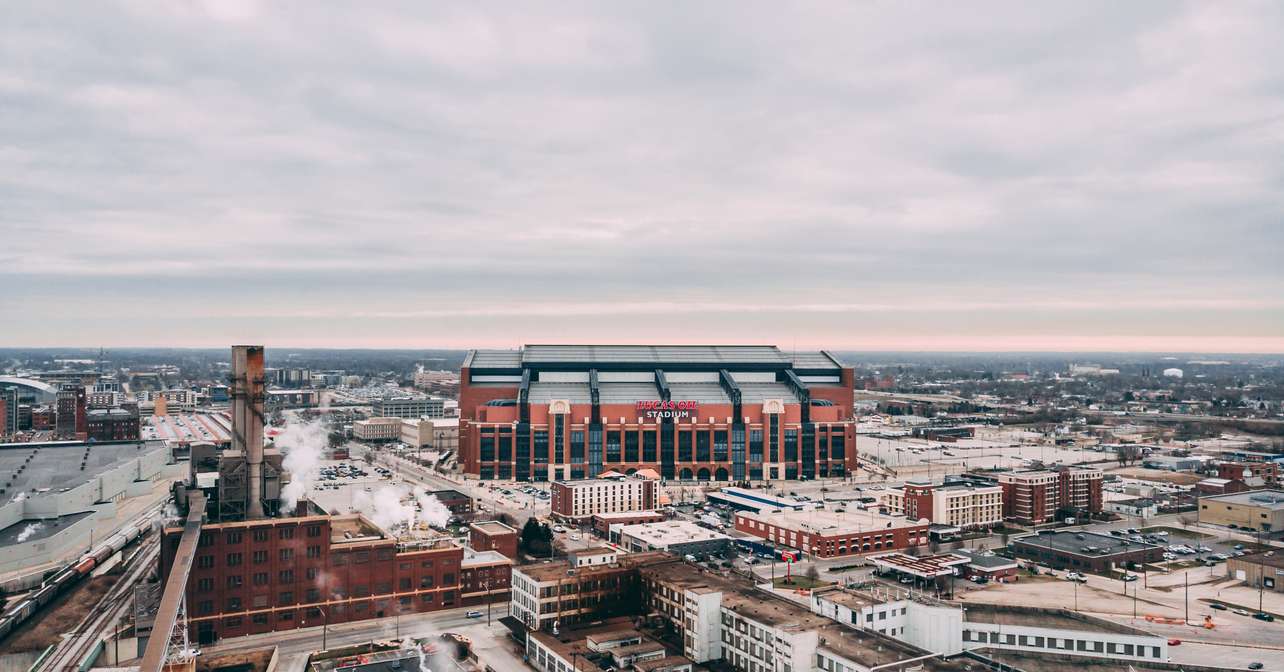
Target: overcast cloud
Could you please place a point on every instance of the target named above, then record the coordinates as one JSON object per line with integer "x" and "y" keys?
{"x": 846, "y": 175}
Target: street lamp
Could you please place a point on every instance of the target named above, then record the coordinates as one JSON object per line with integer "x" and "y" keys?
{"x": 325, "y": 626}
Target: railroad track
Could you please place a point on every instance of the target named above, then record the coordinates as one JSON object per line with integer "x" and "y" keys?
{"x": 71, "y": 651}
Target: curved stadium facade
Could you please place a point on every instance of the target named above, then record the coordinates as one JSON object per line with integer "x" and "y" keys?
{"x": 716, "y": 413}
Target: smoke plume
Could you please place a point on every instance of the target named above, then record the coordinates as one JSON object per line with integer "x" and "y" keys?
{"x": 303, "y": 444}
{"x": 30, "y": 530}
{"x": 431, "y": 510}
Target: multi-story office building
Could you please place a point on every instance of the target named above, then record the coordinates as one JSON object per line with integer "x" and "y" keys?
{"x": 410, "y": 407}
{"x": 1034, "y": 497}
{"x": 965, "y": 506}
{"x": 826, "y": 534}
{"x": 112, "y": 424}
{"x": 8, "y": 411}
{"x": 105, "y": 399}
{"x": 377, "y": 429}
{"x": 707, "y": 413}
{"x": 589, "y": 584}
{"x": 71, "y": 420}
{"x": 577, "y": 501}
{"x": 273, "y": 574}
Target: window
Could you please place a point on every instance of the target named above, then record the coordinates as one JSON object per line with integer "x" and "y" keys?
{"x": 286, "y": 554}
{"x": 259, "y": 619}
{"x": 612, "y": 446}
{"x": 837, "y": 448}
{"x": 286, "y": 597}
{"x": 286, "y": 576}
{"x": 205, "y": 561}
{"x": 260, "y": 578}
{"x": 486, "y": 446}
{"x": 426, "y": 581}
{"x": 403, "y": 583}
{"x": 233, "y": 559}
{"x": 791, "y": 445}
{"x": 541, "y": 446}
{"x": 314, "y": 551}
{"x": 702, "y": 446}
{"x": 261, "y": 534}
{"x": 258, "y": 557}
{"x": 448, "y": 579}
{"x": 577, "y": 447}
{"x": 755, "y": 445}
{"x": 286, "y": 533}
{"x": 233, "y": 537}
{"x": 631, "y": 446}
{"x": 234, "y": 581}
{"x": 648, "y": 447}
{"x": 233, "y": 604}
{"x": 204, "y": 585}
{"x": 720, "y": 445}
{"x": 314, "y": 530}
{"x": 684, "y": 446}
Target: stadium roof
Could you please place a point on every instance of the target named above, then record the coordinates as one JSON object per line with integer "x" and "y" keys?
{"x": 643, "y": 357}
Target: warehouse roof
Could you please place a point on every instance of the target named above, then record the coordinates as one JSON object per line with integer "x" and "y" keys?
{"x": 1083, "y": 543}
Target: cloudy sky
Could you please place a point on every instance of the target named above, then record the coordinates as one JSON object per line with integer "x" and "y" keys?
{"x": 903, "y": 176}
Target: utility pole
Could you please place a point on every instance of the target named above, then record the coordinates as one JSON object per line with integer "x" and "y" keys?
{"x": 1186, "y": 578}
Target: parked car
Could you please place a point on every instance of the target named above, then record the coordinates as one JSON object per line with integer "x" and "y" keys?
{"x": 1217, "y": 605}
{"x": 1129, "y": 577}
{"x": 1241, "y": 612}
{"x": 1174, "y": 642}
{"x": 1255, "y": 665}
{"x": 473, "y": 614}
{"x": 1263, "y": 616}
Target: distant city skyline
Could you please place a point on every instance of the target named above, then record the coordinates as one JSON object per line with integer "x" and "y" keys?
{"x": 994, "y": 178}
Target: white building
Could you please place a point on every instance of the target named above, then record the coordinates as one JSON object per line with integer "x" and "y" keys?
{"x": 579, "y": 500}
{"x": 679, "y": 537}
{"x": 957, "y": 505}
{"x": 1173, "y": 373}
{"x": 1140, "y": 507}
{"x": 377, "y": 429}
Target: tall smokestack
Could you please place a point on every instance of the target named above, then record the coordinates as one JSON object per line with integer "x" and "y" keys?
{"x": 247, "y": 420}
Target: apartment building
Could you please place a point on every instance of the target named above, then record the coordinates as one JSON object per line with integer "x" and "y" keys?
{"x": 1034, "y": 497}
{"x": 965, "y": 506}
{"x": 577, "y": 501}
{"x": 377, "y": 429}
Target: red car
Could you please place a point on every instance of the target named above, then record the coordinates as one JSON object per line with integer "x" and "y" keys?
{"x": 1174, "y": 642}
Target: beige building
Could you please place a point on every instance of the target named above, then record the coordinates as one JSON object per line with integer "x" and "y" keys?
{"x": 438, "y": 434}
{"x": 1254, "y": 510}
{"x": 377, "y": 429}
{"x": 958, "y": 505}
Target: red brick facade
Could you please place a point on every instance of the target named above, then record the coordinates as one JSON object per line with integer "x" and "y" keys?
{"x": 279, "y": 574}
{"x": 493, "y": 536}
{"x": 873, "y": 540}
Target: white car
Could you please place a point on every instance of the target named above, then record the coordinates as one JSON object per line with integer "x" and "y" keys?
{"x": 473, "y": 614}
{"x": 559, "y": 529}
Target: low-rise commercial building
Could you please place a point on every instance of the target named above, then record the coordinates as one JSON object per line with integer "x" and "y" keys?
{"x": 577, "y": 501}
{"x": 678, "y": 537}
{"x": 439, "y": 434}
{"x": 965, "y": 506}
{"x": 826, "y": 534}
{"x": 1084, "y": 551}
{"x": 1267, "y": 471}
{"x": 613, "y": 646}
{"x": 1255, "y": 510}
{"x": 377, "y": 429}
{"x": 1140, "y": 507}
{"x": 1258, "y": 570}
{"x": 458, "y": 503}
{"x": 492, "y": 535}
{"x": 603, "y": 522}
{"x": 1219, "y": 486}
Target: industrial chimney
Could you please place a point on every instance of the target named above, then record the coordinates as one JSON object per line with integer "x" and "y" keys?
{"x": 247, "y": 420}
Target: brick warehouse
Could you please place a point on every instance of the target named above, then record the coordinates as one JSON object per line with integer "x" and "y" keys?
{"x": 712, "y": 413}
{"x": 282, "y": 573}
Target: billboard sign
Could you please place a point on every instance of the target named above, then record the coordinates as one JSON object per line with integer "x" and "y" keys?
{"x": 672, "y": 410}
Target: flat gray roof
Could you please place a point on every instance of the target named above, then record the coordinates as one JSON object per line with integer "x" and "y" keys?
{"x": 1070, "y": 542}
{"x": 1267, "y": 499}
{"x": 58, "y": 466}
{"x": 654, "y": 354}
{"x": 37, "y": 530}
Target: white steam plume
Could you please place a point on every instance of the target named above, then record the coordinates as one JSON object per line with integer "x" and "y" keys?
{"x": 30, "y": 530}
{"x": 431, "y": 510}
{"x": 303, "y": 445}
{"x": 385, "y": 508}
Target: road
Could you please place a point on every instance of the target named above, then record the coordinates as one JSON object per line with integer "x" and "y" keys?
{"x": 294, "y": 646}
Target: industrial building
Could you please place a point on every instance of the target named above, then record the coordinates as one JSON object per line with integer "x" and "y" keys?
{"x": 1258, "y": 570}
{"x": 112, "y": 424}
{"x": 705, "y": 413}
{"x": 1084, "y": 551}
{"x": 678, "y": 537}
{"x": 271, "y": 574}
{"x": 1035, "y": 497}
{"x": 827, "y": 534}
{"x": 56, "y": 493}
{"x": 584, "y": 587}
{"x": 610, "y": 646}
{"x": 439, "y": 434}
{"x": 1256, "y": 510}
{"x": 603, "y": 522}
{"x": 965, "y": 506}
{"x": 577, "y": 501}
{"x": 183, "y": 429}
